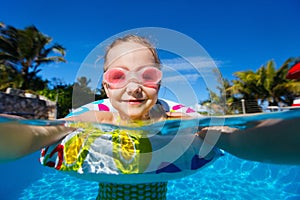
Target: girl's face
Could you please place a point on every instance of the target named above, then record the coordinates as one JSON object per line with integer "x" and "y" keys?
{"x": 134, "y": 100}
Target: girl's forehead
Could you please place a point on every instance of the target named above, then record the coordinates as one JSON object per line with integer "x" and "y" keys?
{"x": 129, "y": 53}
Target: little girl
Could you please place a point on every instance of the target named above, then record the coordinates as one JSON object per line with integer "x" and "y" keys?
{"x": 131, "y": 80}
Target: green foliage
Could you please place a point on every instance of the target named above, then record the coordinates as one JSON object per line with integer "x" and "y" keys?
{"x": 62, "y": 94}
{"x": 267, "y": 84}
{"x": 71, "y": 96}
{"x": 22, "y": 53}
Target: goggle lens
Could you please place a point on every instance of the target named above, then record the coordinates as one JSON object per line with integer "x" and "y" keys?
{"x": 119, "y": 77}
{"x": 115, "y": 76}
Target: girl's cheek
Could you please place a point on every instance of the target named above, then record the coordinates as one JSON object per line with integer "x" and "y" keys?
{"x": 115, "y": 94}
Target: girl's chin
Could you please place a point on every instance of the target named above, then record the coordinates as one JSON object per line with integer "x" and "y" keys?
{"x": 134, "y": 116}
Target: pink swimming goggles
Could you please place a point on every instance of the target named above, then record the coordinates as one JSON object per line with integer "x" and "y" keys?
{"x": 120, "y": 77}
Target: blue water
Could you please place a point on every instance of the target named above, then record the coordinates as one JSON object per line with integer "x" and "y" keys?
{"x": 227, "y": 178}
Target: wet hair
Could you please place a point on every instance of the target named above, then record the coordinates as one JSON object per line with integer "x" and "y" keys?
{"x": 132, "y": 38}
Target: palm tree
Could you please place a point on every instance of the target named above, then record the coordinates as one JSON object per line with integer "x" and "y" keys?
{"x": 25, "y": 51}
{"x": 286, "y": 89}
{"x": 266, "y": 84}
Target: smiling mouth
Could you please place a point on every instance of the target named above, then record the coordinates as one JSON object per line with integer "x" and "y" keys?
{"x": 135, "y": 101}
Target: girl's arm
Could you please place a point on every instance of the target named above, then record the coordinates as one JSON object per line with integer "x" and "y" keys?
{"x": 272, "y": 141}
{"x": 18, "y": 140}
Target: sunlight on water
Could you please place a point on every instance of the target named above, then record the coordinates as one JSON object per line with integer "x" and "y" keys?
{"x": 228, "y": 178}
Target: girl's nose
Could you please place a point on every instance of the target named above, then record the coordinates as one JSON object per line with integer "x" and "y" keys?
{"x": 133, "y": 88}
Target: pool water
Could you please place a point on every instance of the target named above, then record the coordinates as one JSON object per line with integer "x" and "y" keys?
{"x": 228, "y": 178}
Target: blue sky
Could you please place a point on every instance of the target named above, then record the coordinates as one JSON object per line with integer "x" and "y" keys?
{"x": 239, "y": 35}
